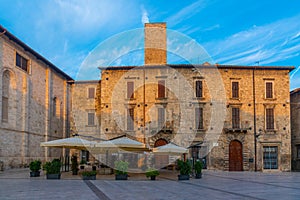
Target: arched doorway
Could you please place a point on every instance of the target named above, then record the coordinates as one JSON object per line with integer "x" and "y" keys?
{"x": 235, "y": 156}
{"x": 161, "y": 161}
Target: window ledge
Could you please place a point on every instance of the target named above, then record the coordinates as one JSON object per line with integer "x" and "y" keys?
{"x": 198, "y": 98}
{"x": 130, "y": 99}
{"x": 161, "y": 98}
{"x": 270, "y": 99}
{"x": 237, "y": 99}
{"x": 90, "y": 125}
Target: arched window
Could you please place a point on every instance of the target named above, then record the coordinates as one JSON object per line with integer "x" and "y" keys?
{"x": 5, "y": 95}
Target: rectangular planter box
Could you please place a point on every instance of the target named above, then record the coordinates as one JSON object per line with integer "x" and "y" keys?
{"x": 35, "y": 174}
{"x": 89, "y": 177}
{"x": 183, "y": 177}
{"x": 121, "y": 176}
{"x": 53, "y": 176}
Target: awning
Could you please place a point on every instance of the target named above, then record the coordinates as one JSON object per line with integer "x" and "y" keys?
{"x": 71, "y": 143}
{"x": 170, "y": 149}
{"x": 122, "y": 143}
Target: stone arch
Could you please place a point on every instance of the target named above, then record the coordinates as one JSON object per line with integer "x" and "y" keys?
{"x": 160, "y": 142}
{"x": 8, "y": 88}
{"x": 161, "y": 135}
{"x": 230, "y": 137}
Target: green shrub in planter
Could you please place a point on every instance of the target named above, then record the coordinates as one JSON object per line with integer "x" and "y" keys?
{"x": 185, "y": 169}
{"x": 198, "y": 169}
{"x": 152, "y": 173}
{"x": 121, "y": 170}
{"x": 89, "y": 175}
{"x": 52, "y": 169}
{"x": 35, "y": 167}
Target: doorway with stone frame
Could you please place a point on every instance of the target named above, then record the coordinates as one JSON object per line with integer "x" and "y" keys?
{"x": 235, "y": 156}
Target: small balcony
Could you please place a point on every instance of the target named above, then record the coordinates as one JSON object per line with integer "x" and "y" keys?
{"x": 243, "y": 127}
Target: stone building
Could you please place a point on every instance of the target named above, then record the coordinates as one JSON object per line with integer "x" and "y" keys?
{"x": 35, "y": 103}
{"x": 84, "y": 119}
{"x": 295, "y": 128}
{"x": 239, "y": 116}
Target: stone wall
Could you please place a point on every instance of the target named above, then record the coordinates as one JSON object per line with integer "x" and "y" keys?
{"x": 295, "y": 129}
{"x": 31, "y": 100}
{"x": 180, "y": 103}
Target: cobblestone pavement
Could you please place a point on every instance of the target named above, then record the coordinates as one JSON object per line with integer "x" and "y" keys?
{"x": 16, "y": 184}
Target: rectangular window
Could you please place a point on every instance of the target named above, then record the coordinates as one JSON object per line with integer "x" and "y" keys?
{"x": 199, "y": 118}
{"x": 270, "y": 119}
{"x": 130, "y": 119}
{"x": 161, "y": 89}
{"x": 130, "y": 90}
{"x": 298, "y": 151}
{"x": 161, "y": 117}
{"x": 4, "y": 108}
{"x": 21, "y": 62}
{"x": 91, "y": 93}
{"x": 269, "y": 90}
{"x": 199, "y": 92}
{"x": 54, "y": 107}
{"x": 91, "y": 119}
{"x": 235, "y": 89}
{"x": 270, "y": 157}
{"x": 235, "y": 118}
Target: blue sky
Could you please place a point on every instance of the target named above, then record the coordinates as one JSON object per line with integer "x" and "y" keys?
{"x": 231, "y": 31}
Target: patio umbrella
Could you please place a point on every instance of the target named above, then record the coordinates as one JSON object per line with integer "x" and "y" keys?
{"x": 170, "y": 149}
{"x": 71, "y": 143}
{"x": 122, "y": 143}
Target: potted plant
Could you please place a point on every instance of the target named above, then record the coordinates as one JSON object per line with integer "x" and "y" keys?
{"x": 185, "y": 169}
{"x": 152, "y": 173}
{"x": 35, "y": 167}
{"x": 198, "y": 169}
{"x": 121, "y": 170}
{"x": 74, "y": 165}
{"x": 89, "y": 175}
{"x": 52, "y": 169}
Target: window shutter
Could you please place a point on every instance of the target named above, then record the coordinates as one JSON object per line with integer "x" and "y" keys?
{"x": 91, "y": 94}
{"x": 199, "y": 118}
{"x": 235, "y": 118}
{"x": 130, "y": 90}
{"x": 161, "y": 89}
{"x": 161, "y": 117}
{"x": 235, "y": 89}
{"x": 199, "y": 89}
{"x": 91, "y": 119}
{"x": 130, "y": 119}
{"x": 270, "y": 118}
{"x": 269, "y": 90}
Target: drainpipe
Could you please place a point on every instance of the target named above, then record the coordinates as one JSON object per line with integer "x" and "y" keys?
{"x": 254, "y": 120}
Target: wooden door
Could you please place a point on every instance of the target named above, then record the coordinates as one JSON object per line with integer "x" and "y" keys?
{"x": 161, "y": 161}
{"x": 235, "y": 156}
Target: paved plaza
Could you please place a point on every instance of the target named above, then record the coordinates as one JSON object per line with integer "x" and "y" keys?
{"x": 16, "y": 184}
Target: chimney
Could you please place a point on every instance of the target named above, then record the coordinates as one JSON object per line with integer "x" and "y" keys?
{"x": 155, "y": 44}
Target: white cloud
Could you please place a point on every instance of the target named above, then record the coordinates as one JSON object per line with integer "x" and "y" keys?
{"x": 267, "y": 44}
{"x": 187, "y": 12}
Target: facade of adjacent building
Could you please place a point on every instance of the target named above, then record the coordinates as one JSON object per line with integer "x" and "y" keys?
{"x": 295, "y": 121}
{"x": 84, "y": 119}
{"x": 35, "y": 103}
{"x": 240, "y": 115}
